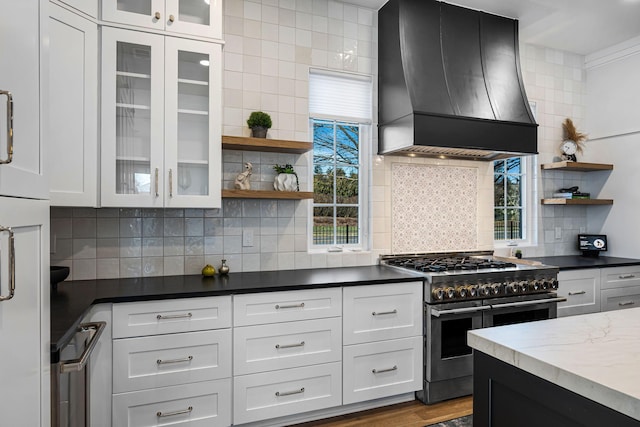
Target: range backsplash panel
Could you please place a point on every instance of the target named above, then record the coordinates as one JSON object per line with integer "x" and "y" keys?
{"x": 434, "y": 208}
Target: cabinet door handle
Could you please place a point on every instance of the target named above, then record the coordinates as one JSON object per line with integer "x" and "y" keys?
{"x": 157, "y": 180}
{"x": 9, "y": 127}
{"x": 382, "y": 313}
{"x": 577, "y": 293}
{"x": 170, "y": 183}
{"x": 173, "y": 316}
{"x": 622, "y": 304}
{"x": 161, "y": 414}
{"x": 626, "y": 276}
{"x": 289, "y": 393}
{"x": 157, "y": 15}
{"x": 12, "y": 264}
{"x": 379, "y": 371}
{"x": 184, "y": 359}
{"x": 300, "y": 344}
{"x": 279, "y": 307}
{"x": 172, "y": 18}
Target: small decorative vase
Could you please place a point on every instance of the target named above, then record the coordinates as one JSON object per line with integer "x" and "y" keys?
{"x": 224, "y": 268}
{"x": 259, "y": 132}
{"x": 285, "y": 182}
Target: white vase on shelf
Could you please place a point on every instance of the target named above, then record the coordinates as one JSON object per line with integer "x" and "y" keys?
{"x": 286, "y": 182}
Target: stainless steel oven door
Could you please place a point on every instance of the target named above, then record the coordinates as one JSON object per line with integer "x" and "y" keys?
{"x": 446, "y": 351}
{"x": 505, "y": 312}
{"x": 68, "y": 378}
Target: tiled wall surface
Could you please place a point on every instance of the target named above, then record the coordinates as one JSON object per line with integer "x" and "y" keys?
{"x": 555, "y": 80}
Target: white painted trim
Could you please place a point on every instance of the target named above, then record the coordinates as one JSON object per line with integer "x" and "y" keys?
{"x": 613, "y": 53}
{"x": 333, "y": 412}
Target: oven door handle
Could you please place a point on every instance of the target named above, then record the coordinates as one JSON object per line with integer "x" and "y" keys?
{"x": 437, "y": 313}
{"x": 77, "y": 365}
{"x": 525, "y": 303}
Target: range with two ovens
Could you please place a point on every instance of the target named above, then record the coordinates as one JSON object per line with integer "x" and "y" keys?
{"x": 471, "y": 290}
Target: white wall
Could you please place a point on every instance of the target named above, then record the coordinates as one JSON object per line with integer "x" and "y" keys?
{"x": 613, "y": 120}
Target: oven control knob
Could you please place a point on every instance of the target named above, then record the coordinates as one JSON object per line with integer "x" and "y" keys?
{"x": 438, "y": 294}
{"x": 461, "y": 291}
{"x": 496, "y": 288}
{"x": 545, "y": 284}
{"x": 449, "y": 293}
{"x": 513, "y": 288}
{"x": 485, "y": 290}
{"x": 536, "y": 285}
{"x": 554, "y": 284}
{"x": 524, "y": 286}
{"x": 472, "y": 291}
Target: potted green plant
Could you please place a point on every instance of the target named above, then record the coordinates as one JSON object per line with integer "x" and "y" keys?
{"x": 259, "y": 122}
{"x": 518, "y": 253}
{"x": 286, "y": 178}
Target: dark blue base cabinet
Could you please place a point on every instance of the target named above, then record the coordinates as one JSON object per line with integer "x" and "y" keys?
{"x": 505, "y": 396}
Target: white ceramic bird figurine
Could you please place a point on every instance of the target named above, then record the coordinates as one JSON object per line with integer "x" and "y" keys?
{"x": 242, "y": 180}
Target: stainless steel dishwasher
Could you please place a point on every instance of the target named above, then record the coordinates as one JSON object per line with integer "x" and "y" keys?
{"x": 69, "y": 385}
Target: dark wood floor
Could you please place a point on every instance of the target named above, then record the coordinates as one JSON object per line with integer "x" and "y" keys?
{"x": 409, "y": 414}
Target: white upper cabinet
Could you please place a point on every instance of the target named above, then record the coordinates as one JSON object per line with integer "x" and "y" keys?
{"x": 72, "y": 163}
{"x": 194, "y": 17}
{"x": 161, "y": 112}
{"x": 22, "y": 173}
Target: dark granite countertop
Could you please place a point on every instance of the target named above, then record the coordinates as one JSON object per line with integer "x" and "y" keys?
{"x": 574, "y": 262}
{"x": 72, "y": 300}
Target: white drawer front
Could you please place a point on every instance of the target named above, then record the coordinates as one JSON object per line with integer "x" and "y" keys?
{"x": 381, "y": 312}
{"x": 620, "y": 277}
{"x": 164, "y": 360}
{"x": 581, "y": 288}
{"x": 272, "y": 307}
{"x": 381, "y": 369}
{"x": 286, "y": 345}
{"x": 170, "y": 316}
{"x": 618, "y": 299}
{"x": 275, "y": 394}
{"x": 200, "y": 404}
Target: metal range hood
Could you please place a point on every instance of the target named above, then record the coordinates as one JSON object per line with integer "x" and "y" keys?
{"x": 450, "y": 84}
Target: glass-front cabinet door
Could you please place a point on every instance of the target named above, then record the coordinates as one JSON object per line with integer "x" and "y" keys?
{"x": 132, "y": 118}
{"x": 192, "y": 123}
{"x": 196, "y": 17}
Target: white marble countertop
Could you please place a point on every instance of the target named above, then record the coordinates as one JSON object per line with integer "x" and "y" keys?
{"x": 594, "y": 355}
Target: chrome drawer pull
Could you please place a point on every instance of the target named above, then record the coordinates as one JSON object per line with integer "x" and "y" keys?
{"x": 626, "y": 276}
{"x": 12, "y": 264}
{"x": 289, "y": 393}
{"x": 184, "y": 359}
{"x": 622, "y": 304}
{"x": 170, "y": 414}
{"x": 381, "y": 313}
{"x": 300, "y": 344}
{"x": 9, "y": 158}
{"x": 379, "y": 371}
{"x": 278, "y": 306}
{"x": 577, "y": 293}
{"x": 173, "y": 316}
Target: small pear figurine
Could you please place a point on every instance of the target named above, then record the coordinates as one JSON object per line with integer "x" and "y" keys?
{"x": 208, "y": 270}
{"x": 224, "y": 268}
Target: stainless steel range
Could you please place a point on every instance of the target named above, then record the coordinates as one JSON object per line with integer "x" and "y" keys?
{"x": 471, "y": 290}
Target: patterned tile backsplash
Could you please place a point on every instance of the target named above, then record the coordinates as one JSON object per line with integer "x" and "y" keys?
{"x": 434, "y": 208}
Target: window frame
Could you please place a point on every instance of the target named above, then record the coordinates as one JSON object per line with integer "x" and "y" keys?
{"x": 528, "y": 198}
{"x": 364, "y": 157}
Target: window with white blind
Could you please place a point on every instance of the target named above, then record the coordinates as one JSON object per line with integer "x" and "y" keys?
{"x": 340, "y": 114}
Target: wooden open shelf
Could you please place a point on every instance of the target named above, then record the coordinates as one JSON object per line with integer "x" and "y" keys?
{"x": 264, "y": 144}
{"x": 577, "y": 166}
{"x": 577, "y": 201}
{"x": 258, "y": 194}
